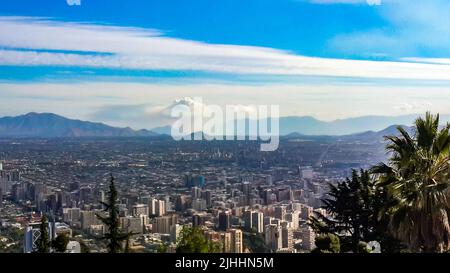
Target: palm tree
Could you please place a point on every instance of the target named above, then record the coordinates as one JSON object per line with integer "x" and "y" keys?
{"x": 417, "y": 179}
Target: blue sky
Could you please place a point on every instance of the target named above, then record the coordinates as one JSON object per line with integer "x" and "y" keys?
{"x": 282, "y": 24}
{"x": 336, "y": 58}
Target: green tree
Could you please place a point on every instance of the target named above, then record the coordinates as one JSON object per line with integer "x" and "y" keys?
{"x": 255, "y": 242}
{"x": 354, "y": 206}
{"x": 162, "y": 248}
{"x": 59, "y": 244}
{"x": 43, "y": 243}
{"x": 417, "y": 180}
{"x": 327, "y": 243}
{"x": 192, "y": 240}
{"x": 114, "y": 234}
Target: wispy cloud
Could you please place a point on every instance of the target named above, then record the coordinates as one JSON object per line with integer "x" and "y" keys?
{"x": 43, "y": 42}
{"x": 413, "y": 28}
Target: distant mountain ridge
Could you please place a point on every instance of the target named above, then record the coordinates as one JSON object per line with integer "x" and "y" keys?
{"x": 310, "y": 126}
{"x": 52, "y": 125}
{"x": 307, "y": 125}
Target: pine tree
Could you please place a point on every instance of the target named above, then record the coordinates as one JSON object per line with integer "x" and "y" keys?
{"x": 114, "y": 234}
{"x": 43, "y": 244}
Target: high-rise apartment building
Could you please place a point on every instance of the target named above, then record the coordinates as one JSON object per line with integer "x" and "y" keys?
{"x": 273, "y": 237}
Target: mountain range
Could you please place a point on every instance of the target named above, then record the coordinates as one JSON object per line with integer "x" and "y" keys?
{"x": 52, "y": 125}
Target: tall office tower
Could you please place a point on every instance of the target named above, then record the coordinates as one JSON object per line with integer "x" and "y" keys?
{"x": 269, "y": 180}
{"x": 308, "y": 238}
{"x": 293, "y": 218}
{"x": 160, "y": 208}
{"x": 269, "y": 197}
{"x": 237, "y": 244}
{"x": 224, "y": 220}
{"x": 60, "y": 200}
{"x": 287, "y": 237}
{"x": 140, "y": 209}
{"x": 248, "y": 223}
{"x": 258, "y": 221}
{"x": 88, "y": 218}
{"x": 196, "y": 192}
{"x": 52, "y": 202}
{"x": 207, "y": 195}
{"x": 180, "y": 203}
{"x": 39, "y": 192}
{"x": 246, "y": 188}
{"x": 152, "y": 203}
{"x": 280, "y": 212}
{"x": 32, "y": 235}
{"x": 273, "y": 237}
{"x": 1, "y": 166}
{"x": 3, "y": 183}
{"x": 85, "y": 194}
{"x": 194, "y": 181}
{"x": 198, "y": 220}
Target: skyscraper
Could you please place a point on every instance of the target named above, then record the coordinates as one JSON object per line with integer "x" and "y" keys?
{"x": 258, "y": 221}
{"x": 224, "y": 220}
{"x": 196, "y": 192}
{"x": 156, "y": 207}
{"x": 280, "y": 212}
{"x": 160, "y": 208}
{"x": 248, "y": 223}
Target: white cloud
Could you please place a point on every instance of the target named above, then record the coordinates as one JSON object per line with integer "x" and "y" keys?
{"x": 412, "y": 28}
{"x": 427, "y": 60}
{"x": 141, "y": 105}
{"x": 53, "y": 43}
{"x": 414, "y": 106}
